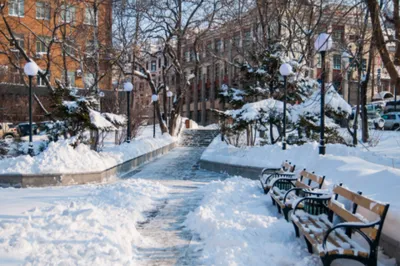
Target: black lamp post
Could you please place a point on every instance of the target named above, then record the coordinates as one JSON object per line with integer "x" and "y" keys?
{"x": 128, "y": 87}
{"x": 285, "y": 71}
{"x": 322, "y": 44}
{"x": 101, "y": 95}
{"x": 169, "y": 95}
{"x": 154, "y": 99}
{"x": 31, "y": 70}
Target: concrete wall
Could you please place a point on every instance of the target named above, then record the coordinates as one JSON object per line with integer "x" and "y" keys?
{"x": 43, "y": 180}
{"x": 390, "y": 246}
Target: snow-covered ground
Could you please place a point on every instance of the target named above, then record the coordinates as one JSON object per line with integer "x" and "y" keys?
{"x": 239, "y": 226}
{"x": 374, "y": 172}
{"x": 77, "y": 225}
{"x": 61, "y": 157}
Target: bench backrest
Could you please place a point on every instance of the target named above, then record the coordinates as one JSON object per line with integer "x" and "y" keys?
{"x": 288, "y": 167}
{"x": 380, "y": 209}
{"x": 309, "y": 180}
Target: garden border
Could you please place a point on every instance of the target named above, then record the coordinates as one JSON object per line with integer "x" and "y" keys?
{"x": 65, "y": 179}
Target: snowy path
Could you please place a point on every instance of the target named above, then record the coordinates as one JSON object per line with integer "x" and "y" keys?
{"x": 168, "y": 241}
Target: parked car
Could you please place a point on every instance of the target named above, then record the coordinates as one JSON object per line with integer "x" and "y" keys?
{"x": 390, "y": 106}
{"x": 23, "y": 129}
{"x": 392, "y": 120}
{"x": 375, "y": 120}
{"x": 8, "y": 131}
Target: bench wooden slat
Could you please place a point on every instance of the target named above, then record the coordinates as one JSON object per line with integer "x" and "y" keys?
{"x": 349, "y": 217}
{"x": 317, "y": 179}
{"x": 366, "y": 203}
{"x": 301, "y": 185}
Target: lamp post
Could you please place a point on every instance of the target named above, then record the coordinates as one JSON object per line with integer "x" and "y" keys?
{"x": 101, "y": 95}
{"x": 31, "y": 70}
{"x": 322, "y": 44}
{"x": 169, "y": 95}
{"x": 154, "y": 99}
{"x": 128, "y": 87}
{"x": 285, "y": 71}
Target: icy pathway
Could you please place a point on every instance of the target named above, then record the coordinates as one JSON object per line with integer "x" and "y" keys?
{"x": 168, "y": 242}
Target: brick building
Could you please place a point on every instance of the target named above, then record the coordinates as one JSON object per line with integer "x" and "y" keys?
{"x": 70, "y": 39}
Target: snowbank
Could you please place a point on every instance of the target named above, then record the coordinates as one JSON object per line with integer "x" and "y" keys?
{"x": 237, "y": 228}
{"x": 84, "y": 225}
{"x": 360, "y": 170}
{"x": 61, "y": 157}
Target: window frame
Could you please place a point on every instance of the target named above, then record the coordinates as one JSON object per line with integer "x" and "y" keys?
{"x": 334, "y": 61}
{"x": 17, "y": 13}
{"x": 89, "y": 16}
{"x": 45, "y": 14}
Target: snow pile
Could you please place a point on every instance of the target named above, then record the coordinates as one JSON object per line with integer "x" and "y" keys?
{"x": 239, "y": 226}
{"x": 61, "y": 157}
{"x": 238, "y": 229}
{"x": 356, "y": 168}
{"x": 96, "y": 228}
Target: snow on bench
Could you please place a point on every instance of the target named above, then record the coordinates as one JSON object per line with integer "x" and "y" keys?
{"x": 269, "y": 174}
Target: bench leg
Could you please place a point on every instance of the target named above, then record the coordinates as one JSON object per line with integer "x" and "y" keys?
{"x": 296, "y": 230}
{"x": 286, "y": 211}
{"x": 326, "y": 260}
{"x": 309, "y": 246}
{"x": 266, "y": 190}
{"x": 273, "y": 201}
{"x": 279, "y": 208}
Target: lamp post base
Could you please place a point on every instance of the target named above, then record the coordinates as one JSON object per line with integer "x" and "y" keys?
{"x": 322, "y": 149}
{"x": 30, "y": 149}
{"x": 283, "y": 145}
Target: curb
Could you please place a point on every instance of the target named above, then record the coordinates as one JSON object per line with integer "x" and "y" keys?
{"x": 65, "y": 179}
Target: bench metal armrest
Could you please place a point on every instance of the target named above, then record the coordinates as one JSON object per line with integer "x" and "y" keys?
{"x": 290, "y": 191}
{"x": 277, "y": 175}
{"x": 354, "y": 226}
{"x": 321, "y": 198}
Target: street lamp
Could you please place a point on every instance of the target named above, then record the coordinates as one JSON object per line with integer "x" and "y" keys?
{"x": 169, "y": 95}
{"x": 285, "y": 71}
{"x": 322, "y": 44}
{"x": 31, "y": 70}
{"x": 128, "y": 87}
{"x": 154, "y": 99}
{"x": 101, "y": 95}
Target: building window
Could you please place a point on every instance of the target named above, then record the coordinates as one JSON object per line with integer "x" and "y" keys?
{"x": 337, "y": 35}
{"x": 218, "y": 46}
{"x": 19, "y": 38}
{"x": 42, "y": 11}
{"x": 90, "y": 18}
{"x": 319, "y": 64}
{"x": 364, "y": 65}
{"x": 247, "y": 38}
{"x": 90, "y": 48}
{"x": 67, "y": 14}
{"x": 337, "y": 62}
{"x": 153, "y": 66}
{"x": 159, "y": 62}
{"x": 88, "y": 80}
{"x": 71, "y": 78}
{"x": 40, "y": 80}
{"x": 42, "y": 44}
{"x": 226, "y": 43}
{"x": 216, "y": 72}
{"x": 236, "y": 40}
{"x": 187, "y": 56}
{"x": 16, "y": 8}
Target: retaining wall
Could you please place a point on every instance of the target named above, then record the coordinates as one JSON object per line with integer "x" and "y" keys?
{"x": 43, "y": 180}
{"x": 390, "y": 246}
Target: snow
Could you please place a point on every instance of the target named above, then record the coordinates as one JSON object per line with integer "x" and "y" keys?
{"x": 61, "y": 157}
{"x": 77, "y": 225}
{"x": 99, "y": 121}
{"x": 256, "y": 110}
{"x": 115, "y": 119}
{"x": 359, "y": 170}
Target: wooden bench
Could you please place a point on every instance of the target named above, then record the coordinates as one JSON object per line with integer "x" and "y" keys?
{"x": 269, "y": 174}
{"x": 284, "y": 191}
{"x": 332, "y": 240}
